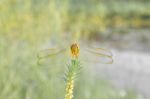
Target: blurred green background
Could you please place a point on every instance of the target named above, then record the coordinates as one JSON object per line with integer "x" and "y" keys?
{"x": 27, "y": 26}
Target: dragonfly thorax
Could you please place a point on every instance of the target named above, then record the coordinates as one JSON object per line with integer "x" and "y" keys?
{"x": 74, "y": 50}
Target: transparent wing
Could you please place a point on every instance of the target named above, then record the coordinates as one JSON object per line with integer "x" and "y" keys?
{"x": 47, "y": 53}
{"x": 97, "y": 55}
{"x": 52, "y": 54}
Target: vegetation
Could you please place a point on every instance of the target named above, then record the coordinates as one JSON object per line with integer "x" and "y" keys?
{"x": 85, "y": 17}
{"x": 27, "y": 26}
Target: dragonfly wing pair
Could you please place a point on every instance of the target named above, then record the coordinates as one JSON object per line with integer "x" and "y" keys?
{"x": 97, "y": 55}
{"x": 50, "y": 54}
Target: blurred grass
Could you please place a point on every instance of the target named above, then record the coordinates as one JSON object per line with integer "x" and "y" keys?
{"x": 86, "y": 18}
{"x": 28, "y": 25}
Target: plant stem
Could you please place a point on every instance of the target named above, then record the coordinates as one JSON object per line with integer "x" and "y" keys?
{"x": 73, "y": 69}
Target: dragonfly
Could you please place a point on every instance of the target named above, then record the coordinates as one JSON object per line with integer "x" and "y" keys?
{"x": 87, "y": 54}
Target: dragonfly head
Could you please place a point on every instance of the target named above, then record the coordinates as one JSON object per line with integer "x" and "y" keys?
{"x": 74, "y": 50}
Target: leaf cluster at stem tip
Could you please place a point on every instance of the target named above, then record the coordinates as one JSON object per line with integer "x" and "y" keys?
{"x": 73, "y": 69}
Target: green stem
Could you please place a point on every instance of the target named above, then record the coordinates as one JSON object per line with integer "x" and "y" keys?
{"x": 73, "y": 69}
